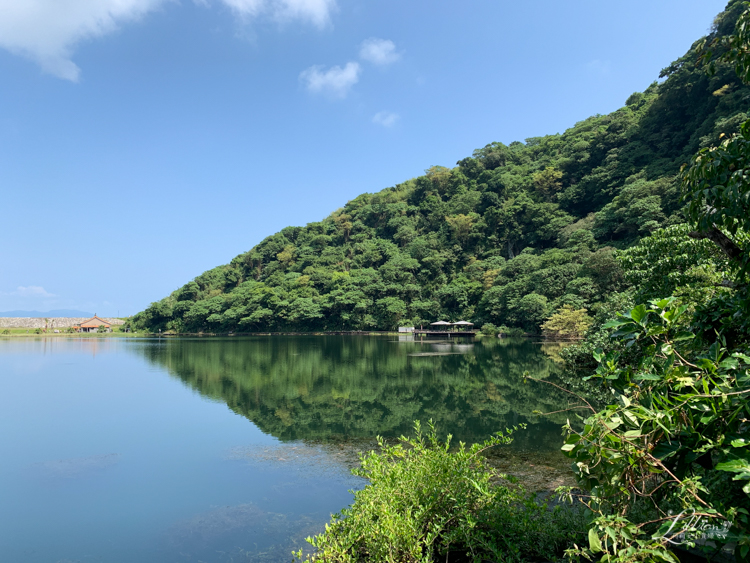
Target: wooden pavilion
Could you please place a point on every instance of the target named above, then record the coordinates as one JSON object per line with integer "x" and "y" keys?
{"x": 443, "y": 328}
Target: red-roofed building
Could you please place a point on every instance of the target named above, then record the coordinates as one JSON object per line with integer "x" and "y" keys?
{"x": 93, "y": 324}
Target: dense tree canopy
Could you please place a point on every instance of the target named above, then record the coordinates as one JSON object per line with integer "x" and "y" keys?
{"x": 509, "y": 236}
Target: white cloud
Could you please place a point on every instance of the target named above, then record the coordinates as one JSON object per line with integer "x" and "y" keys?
{"x": 379, "y": 51}
{"x": 32, "y": 291}
{"x": 335, "y": 82}
{"x": 385, "y": 118}
{"x": 47, "y": 30}
{"x": 317, "y": 12}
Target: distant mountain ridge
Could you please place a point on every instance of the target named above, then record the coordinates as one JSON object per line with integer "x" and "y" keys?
{"x": 47, "y": 314}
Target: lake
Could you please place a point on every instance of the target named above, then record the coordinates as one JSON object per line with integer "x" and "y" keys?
{"x": 233, "y": 449}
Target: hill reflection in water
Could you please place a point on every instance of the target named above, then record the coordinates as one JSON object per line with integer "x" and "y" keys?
{"x": 334, "y": 388}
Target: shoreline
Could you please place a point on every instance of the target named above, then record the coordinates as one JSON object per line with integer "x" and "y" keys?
{"x": 120, "y": 334}
{"x": 117, "y": 334}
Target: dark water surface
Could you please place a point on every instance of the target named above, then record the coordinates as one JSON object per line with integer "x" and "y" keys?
{"x": 124, "y": 450}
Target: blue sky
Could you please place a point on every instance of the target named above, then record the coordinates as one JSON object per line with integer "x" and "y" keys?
{"x": 143, "y": 142}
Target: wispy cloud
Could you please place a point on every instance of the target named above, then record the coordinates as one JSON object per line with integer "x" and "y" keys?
{"x": 335, "y": 82}
{"x": 381, "y": 52}
{"x": 317, "y": 12}
{"x": 31, "y": 291}
{"x": 385, "y": 118}
{"x": 47, "y": 31}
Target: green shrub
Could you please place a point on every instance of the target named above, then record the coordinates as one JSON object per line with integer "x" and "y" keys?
{"x": 488, "y": 329}
{"x": 515, "y": 331}
{"x": 427, "y": 503}
{"x": 667, "y": 463}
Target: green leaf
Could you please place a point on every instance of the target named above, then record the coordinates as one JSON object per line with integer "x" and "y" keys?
{"x": 664, "y": 450}
{"x": 594, "y": 544}
{"x": 734, "y": 466}
{"x": 648, "y": 377}
{"x": 663, "y": 303}
{"x": 683, "y": 336}
{"x": 617, "y": 322}
{"x": 638, "y": 313}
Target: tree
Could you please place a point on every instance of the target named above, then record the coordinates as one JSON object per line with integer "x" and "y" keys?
{"x": 717, "y": 183}
{"x": 461, "y": 225}
{"x": 286, "y": 256}
{"x": 717, "y": 180}
{"x": 567, "y": 322}
{"x": 529, "y": 311}
{"x": 547, "y": 181}
{"x": 390, "y": 310}
{"x": 604, "y": 270}
{"x": 670, "y": 259}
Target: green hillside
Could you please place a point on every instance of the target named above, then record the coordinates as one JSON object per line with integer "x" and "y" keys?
{"x": 507, "y": 237}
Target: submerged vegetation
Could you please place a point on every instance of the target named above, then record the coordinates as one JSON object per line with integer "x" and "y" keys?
{"x": 508, "y": 237}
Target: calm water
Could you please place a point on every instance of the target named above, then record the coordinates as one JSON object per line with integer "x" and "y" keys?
{"x": 235, "y": 449}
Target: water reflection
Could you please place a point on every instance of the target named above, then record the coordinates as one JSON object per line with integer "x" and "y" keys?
{"x": 108, "y": 458}
{"x": 327, "y": 388}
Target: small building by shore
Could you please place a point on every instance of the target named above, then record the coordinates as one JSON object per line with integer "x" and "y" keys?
{"x": 92, "y": 325}
{"x": 444, "y": 328}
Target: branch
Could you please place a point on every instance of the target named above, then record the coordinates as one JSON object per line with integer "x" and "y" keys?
{"x": 675, "y": 517}
{"x": 726, "y": 244}
{"x": 562, "y": 410}
{"x": 576, "y": 395}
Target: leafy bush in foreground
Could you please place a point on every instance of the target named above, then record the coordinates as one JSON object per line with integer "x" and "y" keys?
{"x": 668, "y": 464}
{"x": 427, "y": 503}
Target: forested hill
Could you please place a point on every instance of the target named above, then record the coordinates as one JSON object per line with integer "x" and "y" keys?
{"x": 506, "y": 237}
